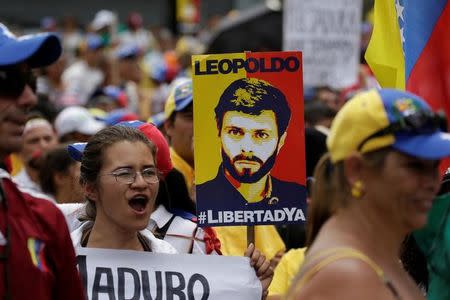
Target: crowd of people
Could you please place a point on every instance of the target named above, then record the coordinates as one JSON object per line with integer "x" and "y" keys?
{"x": 97, "y": 151}
{"x": 111, "y": 65}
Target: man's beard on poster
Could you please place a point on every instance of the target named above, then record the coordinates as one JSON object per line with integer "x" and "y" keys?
{"x": 246, "y": 176}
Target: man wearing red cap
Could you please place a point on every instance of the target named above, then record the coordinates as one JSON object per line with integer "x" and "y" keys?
{"x": 37, "y": 260}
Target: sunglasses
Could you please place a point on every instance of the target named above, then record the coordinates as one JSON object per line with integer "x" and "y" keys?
{"x": 420, "y": 122}
{"x": 14, "y": 79}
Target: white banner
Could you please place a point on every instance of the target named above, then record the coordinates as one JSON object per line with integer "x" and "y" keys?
{"x": 328, "y": 34}
{"x": 120, "y": 274}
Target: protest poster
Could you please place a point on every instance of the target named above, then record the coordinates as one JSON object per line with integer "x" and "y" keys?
{"x": 328, "y": 34}
{"x": 124, "y": 274}
{"x": 249, "y": 138}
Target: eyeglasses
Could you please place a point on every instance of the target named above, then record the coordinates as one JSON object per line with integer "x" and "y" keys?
{"x": 128, "y": 176}
{"x": 14, "y": 79}
{"x": 421, "y": 122}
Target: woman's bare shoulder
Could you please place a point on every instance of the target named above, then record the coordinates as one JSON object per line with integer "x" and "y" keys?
{"x": 347, "y": 278}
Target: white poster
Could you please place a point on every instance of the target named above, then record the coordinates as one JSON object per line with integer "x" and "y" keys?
{"x": 121, "y": 274}
{"x": 328, "y": 34}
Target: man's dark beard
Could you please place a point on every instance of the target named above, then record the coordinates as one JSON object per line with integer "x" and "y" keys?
{"x": 247, "y": 177}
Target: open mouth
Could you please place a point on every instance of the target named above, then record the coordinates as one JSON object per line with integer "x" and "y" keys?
{"x": 138, "y": 203}
{"x": 247, "y": 163}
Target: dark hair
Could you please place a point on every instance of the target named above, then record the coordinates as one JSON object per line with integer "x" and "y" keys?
{"x": 316, "y": 111}
{"x": 173, "y": 193}
{"x": 414, "y": 261}
{"x": 46, "y": 108}
{"x": 315, "y": 148}
{"x": 324, "y": 88}
{"x": 92, "y": 160}
{"x": 252, "y": 96}
{"x": 172, "y": 117}
{"x": 331, "y": 190}
{"x": 56, "y": 160}
{"x": 445, "y": 183}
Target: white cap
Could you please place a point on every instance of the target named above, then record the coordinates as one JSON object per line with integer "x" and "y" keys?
{"x": 102, "y": 19}
{"x": 36, "y": 123}
{"x": 77, "y": 119}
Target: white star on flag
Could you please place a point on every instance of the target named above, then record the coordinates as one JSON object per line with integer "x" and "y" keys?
{"x": 399, "y": 8}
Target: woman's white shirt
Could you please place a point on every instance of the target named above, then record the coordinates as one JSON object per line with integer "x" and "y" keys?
{"x": 156, "y": 245}
{"x": 184, "y": 235}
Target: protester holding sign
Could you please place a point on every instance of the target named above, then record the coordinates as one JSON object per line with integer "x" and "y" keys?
{"x": 170, "y": 220}
{"x": 378, "y": 182}
{"x": 118, "y": 209}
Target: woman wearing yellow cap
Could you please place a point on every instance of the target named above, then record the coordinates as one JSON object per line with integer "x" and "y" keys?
{"x": 376, "y": 185}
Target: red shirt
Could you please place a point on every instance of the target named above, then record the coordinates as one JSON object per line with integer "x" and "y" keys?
{"x": 41, "y": 262}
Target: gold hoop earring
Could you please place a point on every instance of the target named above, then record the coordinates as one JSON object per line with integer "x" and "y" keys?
{"x": 357, "y": 189}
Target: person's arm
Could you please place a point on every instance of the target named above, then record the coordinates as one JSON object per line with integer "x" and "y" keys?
{"x": 262, "y": 268}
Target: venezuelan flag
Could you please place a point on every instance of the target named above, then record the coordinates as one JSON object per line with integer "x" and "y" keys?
{"x": 410, "y": 49}
{"x": 36, "y": 250}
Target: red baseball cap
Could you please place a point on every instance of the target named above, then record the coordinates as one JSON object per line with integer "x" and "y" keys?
{"x": 163, "y": 161}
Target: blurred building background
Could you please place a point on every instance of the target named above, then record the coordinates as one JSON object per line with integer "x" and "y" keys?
{"x": 156, "y": 13}
{"x": 28, "y": 13}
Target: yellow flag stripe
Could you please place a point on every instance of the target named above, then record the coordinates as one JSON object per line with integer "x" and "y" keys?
{"x": 31, "y": 247}
{"x": 385, "y": 52}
